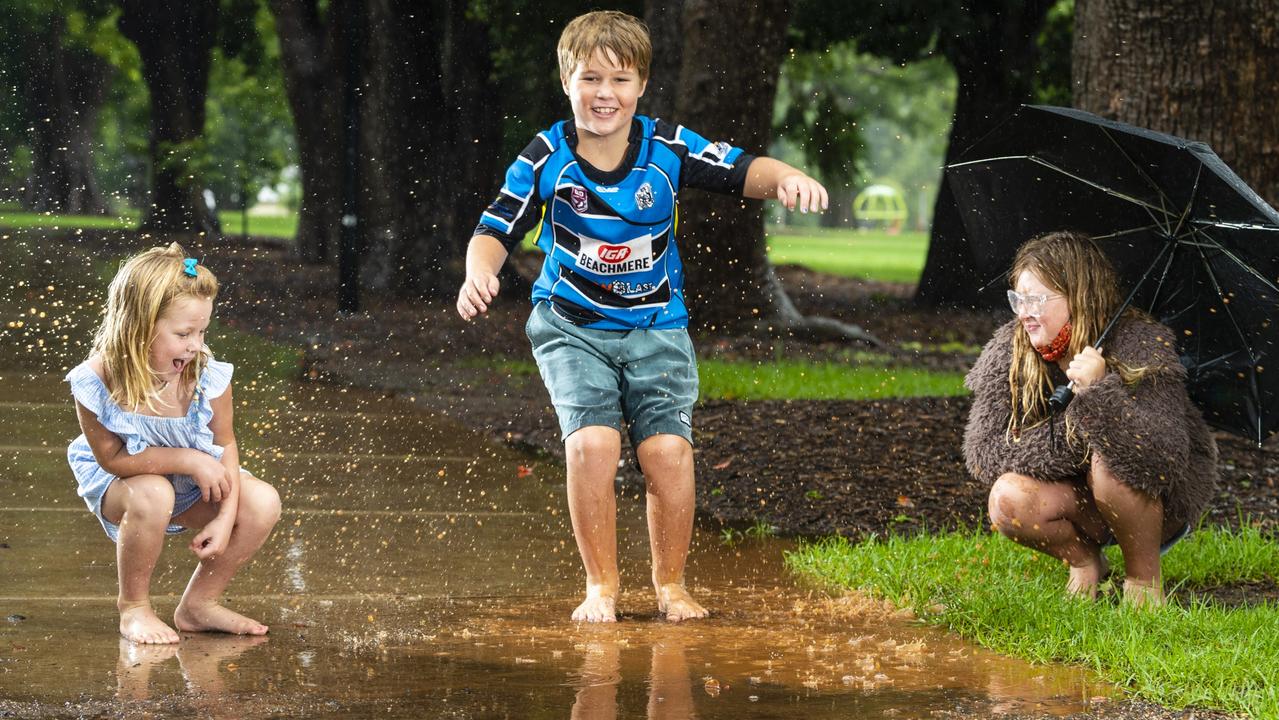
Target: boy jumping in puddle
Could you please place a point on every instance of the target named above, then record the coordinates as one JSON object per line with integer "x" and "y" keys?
{"x": 609, "y": 321}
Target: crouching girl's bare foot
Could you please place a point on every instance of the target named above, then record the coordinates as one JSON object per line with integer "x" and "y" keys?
{"x": 673, "y": 600}
{"x": 1085, "y": 578}
{"x": 600, "y": 605}
{"x": 139, "y": 624}
{"x": 212, "y": 617}
{"x": 1143, "y": 594}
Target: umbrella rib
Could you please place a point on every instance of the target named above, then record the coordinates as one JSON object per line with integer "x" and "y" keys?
{"x": 1163, "y": 276}
{"x": 1130, "y": 231}
{"x": 1163, "y": 199}
{"x": 1215, "y": 244}
{"x": 1067, "y": 173}
{"x": 1194, "y": 190}
{"x": 1243, "y": 338}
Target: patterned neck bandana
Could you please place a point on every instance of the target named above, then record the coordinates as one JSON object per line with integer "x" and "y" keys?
{"x": 1055, "y": 350}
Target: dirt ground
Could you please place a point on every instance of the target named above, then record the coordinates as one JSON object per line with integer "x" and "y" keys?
{"x": 801, "y": 467}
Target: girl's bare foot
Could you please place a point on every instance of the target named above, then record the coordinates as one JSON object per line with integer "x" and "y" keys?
{"x": 212, "y": 617}
{"x": 139, "y": 624}
{"x": 1141, "y": 593}
{"x": 600, "y": 605}
{"x": 673, "y": 600}
{"x": 1085, "y": 579}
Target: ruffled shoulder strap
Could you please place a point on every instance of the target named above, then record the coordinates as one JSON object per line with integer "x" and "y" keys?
{"x": 91, "y": 392}
{"x": 87, "y": 388}
{"x": 216, "y": 378}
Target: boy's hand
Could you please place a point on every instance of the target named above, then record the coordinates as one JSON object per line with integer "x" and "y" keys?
{"x": 212, "y": 539}
{"x": 478, "y": 291}
{"x": 212, "y": 477}
{"x": 799, "y": 191}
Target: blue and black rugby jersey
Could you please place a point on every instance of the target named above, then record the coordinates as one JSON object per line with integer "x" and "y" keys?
{"x": 609, "y": 237}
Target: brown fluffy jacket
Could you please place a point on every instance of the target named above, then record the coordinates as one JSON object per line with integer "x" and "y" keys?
{"x": 1150, "y": 434}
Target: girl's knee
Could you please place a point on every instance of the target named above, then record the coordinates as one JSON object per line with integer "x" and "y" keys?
{"x": 259, "y": 503}
{"x": 1009, "y": 502}
{"x": 148, "y": 497}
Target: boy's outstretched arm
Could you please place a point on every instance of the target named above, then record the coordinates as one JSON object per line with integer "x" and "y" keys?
{"x": 767, "y": 178}
{"x": 484, "y": 257}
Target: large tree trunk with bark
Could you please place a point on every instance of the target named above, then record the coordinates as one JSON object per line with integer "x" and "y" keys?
{"x": 312, "y": 55}
{"x": 729, "y": 283}
{"x": 175, "y": 42}
{"x": 1202, "y": 71}
{"x": 993, "y": 64}
{"x": 665, "y": 20}
{"x": 430, "y": 136}
{"x": 64, "y": 94}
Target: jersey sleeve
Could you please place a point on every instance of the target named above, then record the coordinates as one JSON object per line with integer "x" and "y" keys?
{"x": 714, "y": 166}
{"x": 518, "y": 206}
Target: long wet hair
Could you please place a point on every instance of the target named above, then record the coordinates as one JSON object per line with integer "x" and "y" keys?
{"x": 146, "y": 285}
{"x": 1071, "y": 264}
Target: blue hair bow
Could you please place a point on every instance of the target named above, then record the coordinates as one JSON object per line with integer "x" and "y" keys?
{"x": 188, "y": 266}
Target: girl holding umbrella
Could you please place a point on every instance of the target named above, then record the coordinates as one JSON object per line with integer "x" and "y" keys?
{"x": 1129, "y": 462}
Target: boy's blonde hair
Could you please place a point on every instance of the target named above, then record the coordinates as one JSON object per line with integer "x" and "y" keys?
{"x": 1071, "y": 264}
{"x": 146, "y": 285}
{"x": 625, "y": 35}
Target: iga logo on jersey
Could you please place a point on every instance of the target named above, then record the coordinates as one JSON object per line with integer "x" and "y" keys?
{"x": 614, "y": 253}
{"x": 644, "y": 197}
{"x": 578, "y": 197}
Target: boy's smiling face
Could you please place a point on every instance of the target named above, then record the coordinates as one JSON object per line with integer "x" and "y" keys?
{"x": 603, "y": 94}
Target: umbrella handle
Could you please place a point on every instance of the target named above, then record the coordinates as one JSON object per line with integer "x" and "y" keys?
{"x": 1061, "y": 397}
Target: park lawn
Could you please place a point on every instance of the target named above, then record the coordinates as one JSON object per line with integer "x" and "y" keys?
{"x": 1005, "y": 597}
{"x": 276, "y": 226}
{"x": 863, "y": 254}
{"x": 797, "y": 380}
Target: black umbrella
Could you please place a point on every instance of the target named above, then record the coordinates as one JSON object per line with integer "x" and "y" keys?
{"x": 1198, "y": 248}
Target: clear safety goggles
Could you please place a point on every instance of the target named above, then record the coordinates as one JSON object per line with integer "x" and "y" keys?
{"x": 1030, "y": 303}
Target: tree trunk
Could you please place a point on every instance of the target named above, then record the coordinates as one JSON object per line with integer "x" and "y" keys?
{"x": 430, "y": 144}
{"x": 175, "y": 41}
{"x": 729, "y": 282}
{"x": 63, "y": 99}
{"x": 1202, "y": 71}
{"x": 311, "y": 54}
{"x": 665, "y": 20}
{"x": 994, "y": 64}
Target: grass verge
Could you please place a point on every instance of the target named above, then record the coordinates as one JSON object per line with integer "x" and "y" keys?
{"x": 796, "y": 380}
{"x": 1195, "y": 653}
{"x": 867, "y": 255}
{"x": 276, "y": 226}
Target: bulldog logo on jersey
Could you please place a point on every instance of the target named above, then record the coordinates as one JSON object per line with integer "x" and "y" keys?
{"x": 577, "y": 196}
{"x": 644, "y": 197}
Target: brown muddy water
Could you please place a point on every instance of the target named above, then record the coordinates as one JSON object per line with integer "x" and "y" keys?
{"x": 419, "y": 571}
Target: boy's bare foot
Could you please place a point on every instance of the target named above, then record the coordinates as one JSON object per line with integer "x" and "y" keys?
{"x": 674, "y": 600}
{"x": 1085, "y": 579}
{"x": 212, "y": 617}
{"x": 600, "y": 605}
{"x": 1139, "y": 593}
{"x": 139, "y": 624}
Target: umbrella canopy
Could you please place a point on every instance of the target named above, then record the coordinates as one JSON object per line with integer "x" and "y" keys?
{"x": 1198, "y": 248}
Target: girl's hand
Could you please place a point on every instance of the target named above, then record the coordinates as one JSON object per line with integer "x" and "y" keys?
{"x": 1087, "y": 367}
{"x": 212, "y": 539}
{"x": 212, "y": 477}
{"x": 799, "y": 191}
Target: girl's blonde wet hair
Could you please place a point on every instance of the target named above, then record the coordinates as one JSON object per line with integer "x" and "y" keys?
{"x": 146, "y": 285}
{"x": 1072, "y": 265}
{"x": 624, "y": 35}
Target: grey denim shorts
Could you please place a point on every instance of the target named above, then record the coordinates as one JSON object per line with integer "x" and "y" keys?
{"x": 646, "y": 379}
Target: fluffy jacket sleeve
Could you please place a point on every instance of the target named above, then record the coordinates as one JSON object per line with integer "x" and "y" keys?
{"x": 985, "y": 444}
{"x": 1140, "y": 430}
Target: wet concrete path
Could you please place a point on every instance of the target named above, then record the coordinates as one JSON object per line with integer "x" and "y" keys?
{"x": 418, "y": 571}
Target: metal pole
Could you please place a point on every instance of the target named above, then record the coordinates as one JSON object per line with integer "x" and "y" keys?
{"x": 349, "y": 250}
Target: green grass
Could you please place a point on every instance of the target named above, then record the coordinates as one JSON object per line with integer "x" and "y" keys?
{"x": 260, "y": 226}
{"x": 797, "y": 379}
{"x": 794, "y": 380}
{"x": 1010, "y": 599}
{"x": 869, "y": 255}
